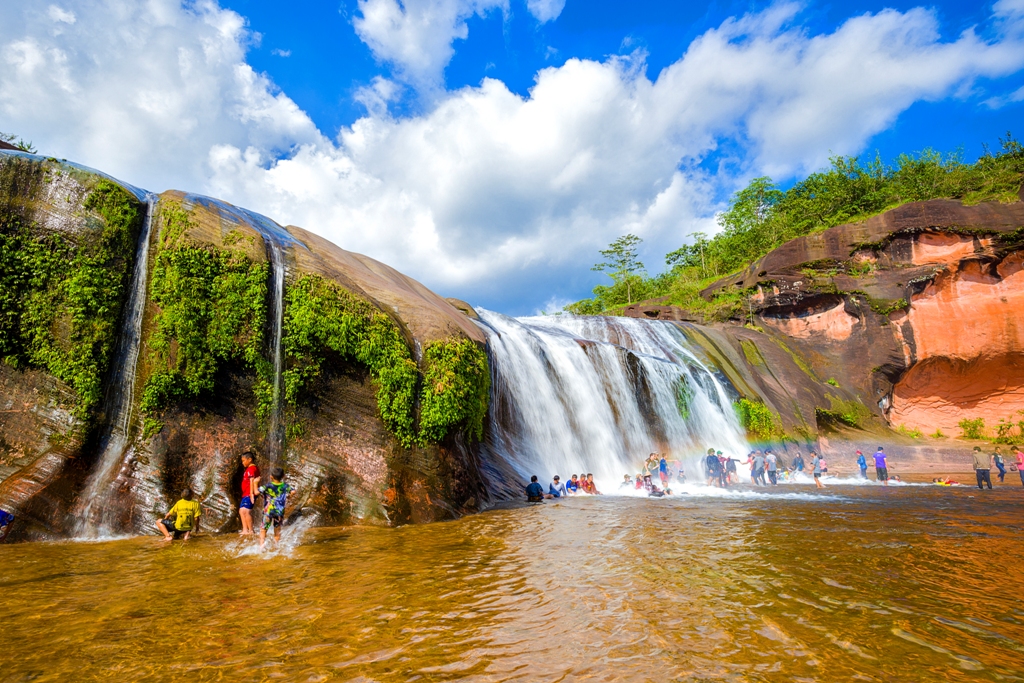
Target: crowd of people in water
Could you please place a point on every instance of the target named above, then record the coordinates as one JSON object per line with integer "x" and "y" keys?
{"x": 656, "y": 477}
{"x": 766, "y": 469}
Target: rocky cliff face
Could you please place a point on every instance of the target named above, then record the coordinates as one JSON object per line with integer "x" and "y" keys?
{"x": 912, "y": 317}
{"x": 381, "y": 387}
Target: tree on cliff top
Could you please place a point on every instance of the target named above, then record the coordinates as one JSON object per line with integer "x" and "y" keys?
{"x": 623, "y": 265}
{"x": 762, "y": 217}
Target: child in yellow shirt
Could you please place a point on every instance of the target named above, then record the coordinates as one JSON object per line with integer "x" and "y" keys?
{"x": 182, "y": 519}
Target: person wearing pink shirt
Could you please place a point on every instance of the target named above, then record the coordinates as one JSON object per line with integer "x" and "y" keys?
{"x": 1020, "y": 463}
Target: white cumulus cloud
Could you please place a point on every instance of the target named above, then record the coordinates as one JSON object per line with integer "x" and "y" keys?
{"x": 416, "y": 36}
{"x": 487, "y": 195}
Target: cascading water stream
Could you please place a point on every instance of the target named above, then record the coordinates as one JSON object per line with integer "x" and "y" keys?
{"x": 93, "y": 512}
{"x": 595, "y": 394}
{"x": 274, "y": 435}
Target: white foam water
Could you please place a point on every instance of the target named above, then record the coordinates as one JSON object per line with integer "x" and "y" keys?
{"x": 597, "y": 394}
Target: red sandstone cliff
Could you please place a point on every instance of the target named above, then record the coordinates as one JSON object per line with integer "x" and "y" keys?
{"x": 916, "y": 314}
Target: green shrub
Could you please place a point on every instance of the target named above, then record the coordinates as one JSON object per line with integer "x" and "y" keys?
{"x": 320, "y": 316}
{"x": 914, "y": 433}
{"x": 972, "y": 429}
{"x": 212, "y": 309}
{"x": 456, "y": 389}
{"x": 938, "y": 434}
{"x": 758, "y": 419}
{"x": 60, "y": 302}
{"x": 832, "y": 381}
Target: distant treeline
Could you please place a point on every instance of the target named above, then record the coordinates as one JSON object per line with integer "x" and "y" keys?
{"x": 762, "y": 217}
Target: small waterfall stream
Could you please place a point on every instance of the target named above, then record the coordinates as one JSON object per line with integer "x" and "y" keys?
{"x": 275, "y": 438}
{"x": 596, "y": 394}
{"x": 93, "y": 514}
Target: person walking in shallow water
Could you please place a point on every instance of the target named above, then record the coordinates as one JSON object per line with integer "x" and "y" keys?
{"x": 250, "y": 487}
{"x": 816, "y": 470}
{"x": 1020, "y": 462}
{"x": 982, "y": 468}
{"x": 881, "y": 467}
{"x": 997, "y": 457}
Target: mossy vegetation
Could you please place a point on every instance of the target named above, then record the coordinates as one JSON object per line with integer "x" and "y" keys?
{"x": 456, "y": 389}
{"x": 211, "y": 309}
{"x": 758, "y": 419}
{"x": 763, "y": 216}
{"x": 322, "y": 317}
{"x": 61, "y": 295}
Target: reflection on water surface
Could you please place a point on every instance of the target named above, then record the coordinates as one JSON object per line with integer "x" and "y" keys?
{"x": 858, "y": 583}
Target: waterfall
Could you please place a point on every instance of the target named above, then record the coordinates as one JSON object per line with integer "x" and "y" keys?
{"x": 274, "y": 435}
{"x": 597, "y": 394}
{"x": 93, "y": 516}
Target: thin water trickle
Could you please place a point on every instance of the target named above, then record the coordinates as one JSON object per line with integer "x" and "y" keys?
{"x": 274, "y": 435}
{"x": 595, "y": 394}
{"x": 93, "y": 517}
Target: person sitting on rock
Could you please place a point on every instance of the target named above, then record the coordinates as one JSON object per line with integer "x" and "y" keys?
{"x": 572, "y": 486}
{"x": 556, "y": 489}
{"x": 275, "y": 496}
{"x": 626, "y": 482}
{"x": 639, "y": 482}
{"x": 591, "y": 486}
{"x": 182, "y": 519}
{"x": 6, "y": 518}
{"x": 534, "y": 491}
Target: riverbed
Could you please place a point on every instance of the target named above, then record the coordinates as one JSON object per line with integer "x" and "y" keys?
{"x": 849, "y": 583}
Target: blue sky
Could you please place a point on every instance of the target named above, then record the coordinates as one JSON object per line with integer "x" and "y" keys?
{"x": 489, "y": 148}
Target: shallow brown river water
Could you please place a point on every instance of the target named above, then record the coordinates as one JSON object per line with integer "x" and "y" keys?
{"x": 855, "y": 583}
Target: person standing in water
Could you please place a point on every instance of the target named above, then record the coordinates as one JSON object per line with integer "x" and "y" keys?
{"x": 816, "y": 470}
{"x": 250, "y": 485}
{"x": 881, "y": 467}
{"x": 982, "y": 467}
{"x": 798, "y": 463}
{"x": 1020, "y": 462}
{"x": 997, "y": 457}
{"x": 772, "y": 463}
{"x": 863, "y": 465}
{"x": 759, "y": 469}
{"x": 711, "y": 464}
{"x": 275, "y": 496}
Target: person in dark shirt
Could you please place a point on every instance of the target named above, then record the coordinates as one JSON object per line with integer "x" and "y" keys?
{"x": 534, "y": 491}
{"x": 798, "y": 463}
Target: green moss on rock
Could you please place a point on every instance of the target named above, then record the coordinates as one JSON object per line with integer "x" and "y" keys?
{"x": 456, "y": 389}
{"x": 321, "y": 317}
{"x": 212, "y": 308}
{"x": 61, "y": 298}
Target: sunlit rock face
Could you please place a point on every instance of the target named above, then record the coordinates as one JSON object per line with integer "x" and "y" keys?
{"x": 346, "y": 466}
{"x": 914, "y": 314}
